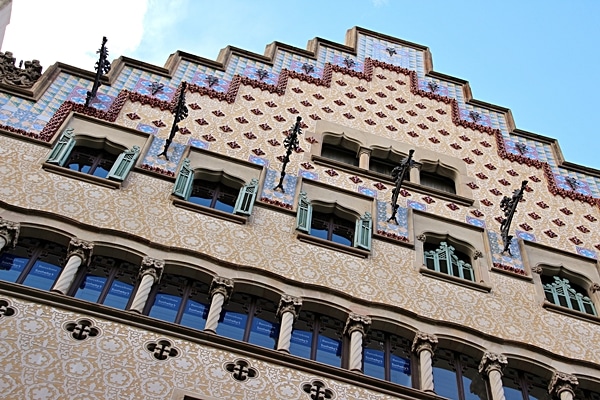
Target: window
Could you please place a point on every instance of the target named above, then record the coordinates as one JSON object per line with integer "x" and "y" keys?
{"x": 107, "y": 281}
{"x": 339, "y": 153}
{"x": 521, "y": 385}
{"x": 318, "y": 337}
{"x": 446, "y": 259}
{"x": 384, "y": 166}
{"x": 215, "y": 191}
{"x": 33, "y": 262}
{"x": 103, "y": 161}
{"x": 436, "y": 181}
{"x": 563, "y": 293}
{"x": 387, "y": 356}
{"x": 180, "y": 300}
{"x": 333, "y": 227}
{"x": 456, "y": 376}
{"x": 250, "y": 319}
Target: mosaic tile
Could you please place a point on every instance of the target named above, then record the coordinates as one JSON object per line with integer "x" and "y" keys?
{"x": 416, "y": 205}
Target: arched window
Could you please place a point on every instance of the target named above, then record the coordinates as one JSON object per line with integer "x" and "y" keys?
{"x": 109, "y": 281}
{"x": 339, "y": 153}
{"x": 563, "y": 293}
{"x": 96, "y": 162}
{"x": 331, "y": 223}
{"x": 215, "y": 190}
{"x": 180, "y": 300}
{"x": 521, "y": 385}
{"x": 456, "y": 376}
{"x": 446, "y": 259}
{"x": 33, "y": 262}
{"x": 318, "y": 337}
{"x": 251, "y": 319}
{"x": 387, "y": 356}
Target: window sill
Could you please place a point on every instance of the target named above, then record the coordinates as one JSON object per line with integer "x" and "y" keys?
{"x": 351, "y": 169}
{"x": 303, "y": 237}
{"x": 81, "y": 176}
{"x": 453, "y": 279}
{"x": 571, "y": 313}
{"x": 238, "y": 219}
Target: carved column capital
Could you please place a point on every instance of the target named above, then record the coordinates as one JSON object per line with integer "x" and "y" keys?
{"x": 595, "y": 288}
{"x": 561, "y": 382}
{"x": 221, "y": 285}
{"x": 492, "y": 361}
{"x": 537, "y": 270}
{"x": 357, "y": 322}
{"x": 290, "y": 304}
{"x": 153, "y": 267}
{"x": 477, "y": 254}
{"x": 421, "y": 238}
{"x": 9, "y": 231}
{"x": 82, "y": 249}
{"x": 424, "y": 341}
{"x": 364, "y": 150}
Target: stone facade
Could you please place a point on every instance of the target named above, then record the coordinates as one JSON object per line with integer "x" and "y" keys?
{"x": 377, "y": 97}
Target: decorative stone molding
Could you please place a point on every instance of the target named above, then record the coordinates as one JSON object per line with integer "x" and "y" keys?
{"x": 82, "y": 249}
{"x": 23, "y": 77}
{"x": 477, "y": 254}
{"x": 241, "y": 370}
{"x": 317, "y": 390}
{"x": 537, "y": 270}
{"x": 221, "y": 285}
{"x": 162, "y": 349}
{"x": 5, "y": 309}
{"x": 153, "y": 267}
{"x": 82, "y": 329}
{"x": 562, "y": 382}
{"x": 492, "y": 361}
{"x": 357, "y": 322}
{"x": 424, "y": 341}
{"x": 290, "y": 304}
{"x": 595, "y": 288}
{"x": 422, "y": 238}
{"x": 9, "y": 231}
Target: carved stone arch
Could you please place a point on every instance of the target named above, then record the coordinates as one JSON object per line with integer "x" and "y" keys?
{"x": 335, "y": 208}
{"x": 258, "y": 289}
{"x": 219, "y": 176}
{"x": 113, "y": 250}
{"x": 578, "y": 282}
{"x": 45, "y": 232}
{"x": 343, "y": 141}
{"x": 533, "y": 367}
{"x": 394, "y": 326}
{"x": 312, "y": 304}
{"x": 563, "y": 271}
{"x": 189, "y": 271}
{"x": 461, "y": 245}
{"x": 447, "y": 175}
{"x": 100, "y": 143}
{"x": 388, "y": 153}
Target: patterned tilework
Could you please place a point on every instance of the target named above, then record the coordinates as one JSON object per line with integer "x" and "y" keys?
{"x": 289, "y": 184}
{"x": 384, "y": 213}
{"x": 403, "y": 56}
{"x": 175, "y": 153}
{"x": 496, "y": 246}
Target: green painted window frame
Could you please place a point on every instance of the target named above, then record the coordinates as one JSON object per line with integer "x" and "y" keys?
{"x": 561, "y": 293}
{"x": 445, "y": 253}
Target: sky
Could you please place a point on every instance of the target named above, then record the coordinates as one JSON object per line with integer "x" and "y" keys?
{"x": 537, "y": 58}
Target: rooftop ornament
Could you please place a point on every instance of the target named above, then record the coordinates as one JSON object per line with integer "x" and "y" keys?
{"x": 509, "y": 205}
{"x": 18, "y": 76}
{"x": 181, "y": 113}
{"x": 399, "y": 173}
{"x": 102, "y": 67}
{"x": 290, "y": 143}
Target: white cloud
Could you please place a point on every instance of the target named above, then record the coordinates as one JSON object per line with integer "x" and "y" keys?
{"x": 70, "y": 31}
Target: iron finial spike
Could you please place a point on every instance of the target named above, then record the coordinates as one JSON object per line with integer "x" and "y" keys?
{"x": 509, "y": 206}
{"x": 399, "y": 174}
{"x": 181, "y": 112}
{"x": 291, "y": 143}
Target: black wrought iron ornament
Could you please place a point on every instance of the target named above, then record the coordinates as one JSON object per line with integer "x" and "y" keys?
{"x": 399, "y": 173}
{"x": 102, "y": 67}
{"x": 181, "y": 113}
{"x": 508, "y": 205}
{"x": 156, "y": 87}
{"x": 290, "y": 143}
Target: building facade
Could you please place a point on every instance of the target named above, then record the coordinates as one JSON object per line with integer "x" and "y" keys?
{"x": 138, "y": 265}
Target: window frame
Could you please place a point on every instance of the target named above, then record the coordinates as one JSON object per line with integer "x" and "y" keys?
{"x": 388, "y": 352}
{"x": 552, "y": 289}
{"x": 458, "y": 367}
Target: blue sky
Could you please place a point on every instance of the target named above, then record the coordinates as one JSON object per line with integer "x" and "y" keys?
{"x": 537, "y": 58}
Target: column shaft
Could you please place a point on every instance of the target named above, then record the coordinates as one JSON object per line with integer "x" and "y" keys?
{"x": 285, "y": 331}
{"x": 426, "y": 369}
{"x": 65, "y": 279}
{"x": 356, "y": 349}
{"x": 214, "y": 312}
{"x": 142, "y": 293}
{"x": 496, "y": 387}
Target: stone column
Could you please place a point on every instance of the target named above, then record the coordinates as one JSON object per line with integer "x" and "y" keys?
{"x": 364, "y": 154}
{"x": 356, "y": 327}
{"x": 150, "y": 274}
{"x": 491, "y": 366}
{"x": 80, "y": 252}
{"x": 220, "y": 290}
{"x": 287, "y": 312}
{"x": 9, "y": 233}
{"x": 423, "y": 346}
{"x": 563, "y": 386}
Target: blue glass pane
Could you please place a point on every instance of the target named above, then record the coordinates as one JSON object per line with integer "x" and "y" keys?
{"x": 42, "y": 275}
{"x": 232, "y": 325}
{"x": 300, "y": 343}
{"x": 263, "y": 333}
{"x": 444, "y": 382}
{"x": 470, "y": 387}
{"x": 118, "y": 295}
{"x": 340, "y": 239}
{"x": 320, "y": 233}
{"x": 400, "y": 371}
{"x": 512, "y": 394}
{"x": 374, "y": 363}
{"x": 329, "y": 351}
{"x": 101, "y": 172}
{"x": 200, "y": 200}
{"x": 81, "y": 168}
{"x": 219, "y": 205}
{"x": 91, "y": 288}
{"x": 165, "y": 307}
{"x": 11, "y": 267}
{"x": 194, "y": 315}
